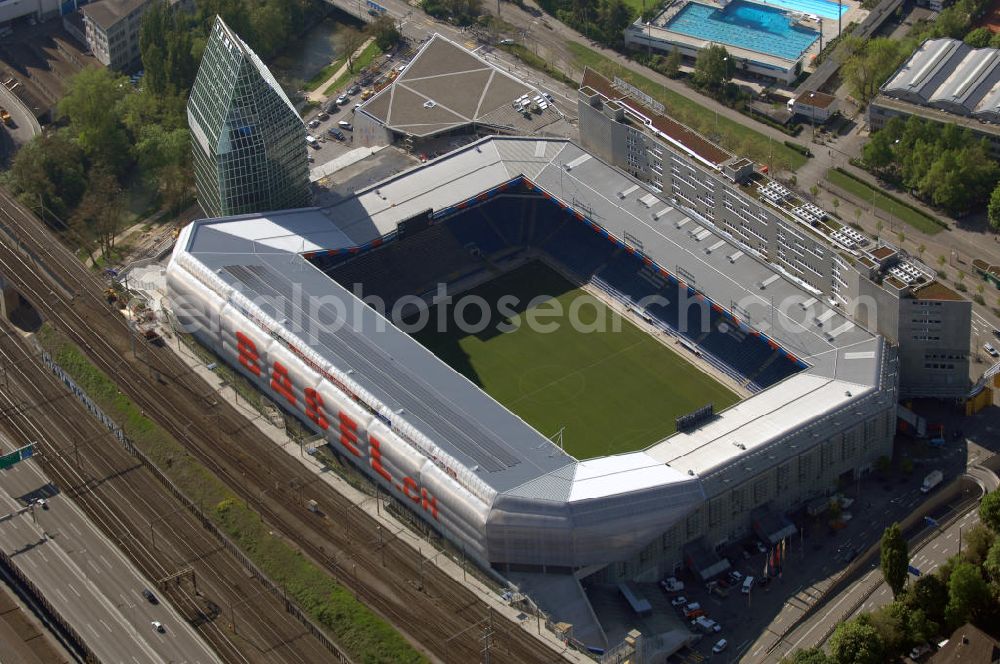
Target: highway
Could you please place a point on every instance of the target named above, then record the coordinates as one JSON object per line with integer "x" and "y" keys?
{"x": 95, "y": 589}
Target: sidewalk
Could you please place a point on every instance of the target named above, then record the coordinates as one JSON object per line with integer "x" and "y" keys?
{"x": 375, "y": 509}
{"x": 317, "y": 95}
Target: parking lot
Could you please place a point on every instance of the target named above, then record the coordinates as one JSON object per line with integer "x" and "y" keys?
{"x": 812, "y": 559}
{"x": 322, "y": 121}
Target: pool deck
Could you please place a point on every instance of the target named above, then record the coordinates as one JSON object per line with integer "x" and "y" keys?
{"x": 658, "y": 30}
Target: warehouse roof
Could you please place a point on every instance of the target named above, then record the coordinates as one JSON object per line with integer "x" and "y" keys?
{"x": 446, "y": 87}
{"x": 948, "y": 75}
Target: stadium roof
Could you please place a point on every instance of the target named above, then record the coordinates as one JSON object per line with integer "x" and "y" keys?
{"x": 446, "y": 87}
{"x": 267, "y": 255}
{"x": 949, "y": 75}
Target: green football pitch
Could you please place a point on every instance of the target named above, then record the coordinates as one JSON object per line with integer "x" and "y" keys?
{"x": 607, "y": 384}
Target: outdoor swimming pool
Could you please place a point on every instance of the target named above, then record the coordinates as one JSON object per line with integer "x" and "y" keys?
{"x": 822, "y": 8}
{"x": 745, "y": 25}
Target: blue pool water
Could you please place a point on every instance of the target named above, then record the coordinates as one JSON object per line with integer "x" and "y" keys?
{"x": 822, "y": 8}
{"x": 750, "y": 26}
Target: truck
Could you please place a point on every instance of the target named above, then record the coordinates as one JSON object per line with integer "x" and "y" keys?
{"x": 932, "y": 480}
{"x": 5, "y": 116}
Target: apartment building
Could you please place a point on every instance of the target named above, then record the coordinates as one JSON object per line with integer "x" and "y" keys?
{"x": 882, "y": 287}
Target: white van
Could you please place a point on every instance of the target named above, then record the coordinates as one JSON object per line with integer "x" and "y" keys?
{"x": 747, "y": 585}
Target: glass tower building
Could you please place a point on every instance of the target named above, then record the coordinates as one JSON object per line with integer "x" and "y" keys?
{"x": 249, "y": 142}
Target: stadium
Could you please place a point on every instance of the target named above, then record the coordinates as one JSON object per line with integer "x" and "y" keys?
{"x": 724, "y": 391}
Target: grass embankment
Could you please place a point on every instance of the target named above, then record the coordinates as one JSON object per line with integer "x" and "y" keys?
{"x": 890, "y": 204}
{"x": 736, "y": 137}
{"x": 323, "y": 74}
{"x": 363, "y": 60}
{"x": 539, "y": 64}
{"x": 359, "y": 631}
{"x": 570, "y": 370}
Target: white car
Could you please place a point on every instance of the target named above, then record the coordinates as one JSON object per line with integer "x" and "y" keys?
{"x": 991, "y": 350}
{"x": 158, "y": 626}
{"x": 672, "y": 585}
{"x": 719, "y": 646}
{"x": 680, "y": 600}
{"x": 342, "y": 100}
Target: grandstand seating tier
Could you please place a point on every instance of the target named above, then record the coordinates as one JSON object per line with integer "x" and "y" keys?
{"x": 464, "y": 243}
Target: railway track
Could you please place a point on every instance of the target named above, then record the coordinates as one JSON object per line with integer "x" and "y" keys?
{"x": 441, "y": 616}
{"x": 156, "y": 533}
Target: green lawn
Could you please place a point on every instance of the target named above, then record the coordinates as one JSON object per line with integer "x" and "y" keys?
{"x": 737, "y": 137}
{"x": 898, "y": 210}
{"x": 613, "y": 391}
{"x": 360, "y": 62}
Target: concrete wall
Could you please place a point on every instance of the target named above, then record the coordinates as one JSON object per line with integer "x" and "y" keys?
{"x": 369, "y": 132}
{"x": 15, "y": 9}
{"x": 785, "y": 487}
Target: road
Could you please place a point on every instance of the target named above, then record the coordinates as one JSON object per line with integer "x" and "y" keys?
{"x": 866, "y": 594}
{"x": 79, "y": 571}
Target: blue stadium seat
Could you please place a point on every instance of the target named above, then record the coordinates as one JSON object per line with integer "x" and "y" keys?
{"x": 508, "y": 224}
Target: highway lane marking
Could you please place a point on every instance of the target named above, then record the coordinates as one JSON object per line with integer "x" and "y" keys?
{"x": 91, "y": 626}
{"x": 106, "y": 626}
{"x": 61, "y": 596}
{"x": 73, "y": 588}
{"x": 42, "y": 554}
{"x": 75, "y": 529}
{"x": 94, "y": 565}
{"x": 105, "y": 560}
{"x": 31, "y": 561}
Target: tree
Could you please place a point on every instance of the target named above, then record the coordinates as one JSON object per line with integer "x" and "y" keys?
{"x": 807, "y": 656}
{"x": 989, "y": 510}
{"x": 672, "y": 67}
{"x": 613, "y": 17}
{"x": 979, "y": 38}
{"x": 871, "y": 64}
{"x": 977, "y": 543}
{"x": 857, "y": 215}
{"x": 941, "y": 260}
{"x": 50, "y": 170}
{"x": 350, "y": 41}
{"x": 994, "y": 208}
{"x": 901, "y": 236}
{"x": 906, "y": 465}
{"x": 814, "y": 191}
{"x": 93, "y": 104}
{"x": 165, "y": 46}
{"x": 991, "y": 565}
{"x": 894, "y": 558}
{"x": 856, "y": 642}
{"x": 384, "y": 30}
{"x": 929, "y": 594}
{"x": 714, "y": 67}
{"x": 921, "y": 248}
{"x": 968, "y": 595}
{"x": 100, "y": 211}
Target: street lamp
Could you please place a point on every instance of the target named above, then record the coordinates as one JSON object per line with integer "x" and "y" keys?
{"x": 812, "y": 113}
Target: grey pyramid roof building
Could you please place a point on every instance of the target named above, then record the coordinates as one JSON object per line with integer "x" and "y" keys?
{"x": 248, "y": 140}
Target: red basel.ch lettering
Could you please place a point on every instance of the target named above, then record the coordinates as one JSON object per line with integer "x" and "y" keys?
{"x": 314, "y": 409}
{"x": 376, "y": 460}
{"x": 349, "y": 434}
{"x": 281, "y": 383}
{"x": 247, "y": 350}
